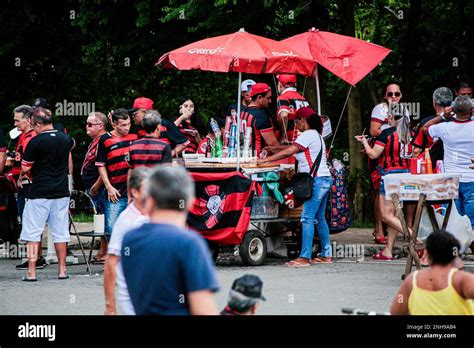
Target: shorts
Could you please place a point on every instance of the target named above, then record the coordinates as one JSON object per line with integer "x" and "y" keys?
{"x": 384, "y": 172}
{"x": 40, "y": 211}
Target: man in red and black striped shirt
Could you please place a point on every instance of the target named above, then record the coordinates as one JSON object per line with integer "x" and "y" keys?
{"x": 113, "y": 167}
{"x": 256, "y": 117}
{"x": 149, "y": 151}
{"x": 169, "y": 133}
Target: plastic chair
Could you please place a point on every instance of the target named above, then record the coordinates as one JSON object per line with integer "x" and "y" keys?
{"x": 76, "y": 197}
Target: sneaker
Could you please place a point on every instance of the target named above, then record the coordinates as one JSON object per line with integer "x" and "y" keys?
{"x": 41, "y": 263}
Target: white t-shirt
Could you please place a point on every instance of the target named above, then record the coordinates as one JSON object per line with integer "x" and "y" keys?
{"x": 380, "y": 114}
{"x": 458, "y": 142}
{"x": 309, "y": 143}
{"x": 130, "y": 218}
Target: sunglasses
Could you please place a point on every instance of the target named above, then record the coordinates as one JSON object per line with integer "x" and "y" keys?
{"x": 391, "y": 94}
{"x": 89, "y": 124}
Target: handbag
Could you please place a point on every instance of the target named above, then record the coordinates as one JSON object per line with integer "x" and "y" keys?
{"x": 302, "y": 183}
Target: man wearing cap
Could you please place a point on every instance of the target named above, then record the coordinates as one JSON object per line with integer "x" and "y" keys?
{"x": 442, "y": 99}
{"x": 169, "y": 133}
{"x": 255, "y": 116}
{"x": 288, "y": 102}
{"x": 244, "y": 296}
{"x": 458, "y": 142}
{"x": 245, "y": 88}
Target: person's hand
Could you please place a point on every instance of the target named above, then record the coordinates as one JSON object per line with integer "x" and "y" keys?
{"x": 20, "y": 179}
{"x": 113, "y": 194}
{"x": 472, "y": 160}
{"x": 194, "y": 133}
{"x": 270, "y": 148}
{"x": 110, "y": 310}
{"x": 94, "y": 190}
{"x": 361, "y": 138}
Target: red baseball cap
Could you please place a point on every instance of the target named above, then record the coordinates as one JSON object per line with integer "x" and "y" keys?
{"x": 142, "y": 103}
{"x": 305, "y": 112}
{"x": 285, "y": 79}
{"x": 259, "y": 88}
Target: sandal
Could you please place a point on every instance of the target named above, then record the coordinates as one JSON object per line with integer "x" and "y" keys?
{"x": 97, "y": 261}
{"x": 297, "y": 263}
{"x": 322, "y": 259}
{"x": 381, "y": 257}
{"x": 379, "y": 240}
{"x": 64, "y": 277}
{"x": 26, "y": 279}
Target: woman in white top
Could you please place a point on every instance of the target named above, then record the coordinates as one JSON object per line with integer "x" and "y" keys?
{"x": 132, "y": 217}
{"x": 306, "y": 149}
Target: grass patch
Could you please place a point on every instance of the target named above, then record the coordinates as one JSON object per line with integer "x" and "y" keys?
{"x": 83, "y": 217}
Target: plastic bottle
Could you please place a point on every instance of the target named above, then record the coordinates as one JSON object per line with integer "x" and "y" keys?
{"x": 428, "y": 163}
{"x": 208, "y": 148}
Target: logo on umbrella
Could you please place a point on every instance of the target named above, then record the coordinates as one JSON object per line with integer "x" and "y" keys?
{"x": 206, "y": 50}
{"x": 284, "y": 54}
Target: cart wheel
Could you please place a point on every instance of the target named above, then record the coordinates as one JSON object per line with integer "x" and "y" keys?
{"x": 253, "y": 249}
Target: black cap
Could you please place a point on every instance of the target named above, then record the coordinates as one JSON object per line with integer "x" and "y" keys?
{"x": 40, "y": 103}
{"x": 250, "y": 286}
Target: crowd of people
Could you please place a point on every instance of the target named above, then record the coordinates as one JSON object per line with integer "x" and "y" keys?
{"x": 128, "y": 175}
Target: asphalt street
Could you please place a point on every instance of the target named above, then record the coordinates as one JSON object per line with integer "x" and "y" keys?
{"x": 319, "y": 289}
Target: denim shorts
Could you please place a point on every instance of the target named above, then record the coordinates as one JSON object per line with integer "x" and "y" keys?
{"x": 384, "y": 172}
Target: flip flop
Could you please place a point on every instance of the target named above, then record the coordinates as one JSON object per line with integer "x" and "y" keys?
{"x": 381, "y": 257}
{"x": 98, "y": 261}
{"x": 65, "y": 277}
{"x": 322, "y": 260}
{"x": 296, "y": 264}
{"x": 26, "y": 279}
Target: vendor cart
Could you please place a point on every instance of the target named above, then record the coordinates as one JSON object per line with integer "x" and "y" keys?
{"x": 260, "y": 219}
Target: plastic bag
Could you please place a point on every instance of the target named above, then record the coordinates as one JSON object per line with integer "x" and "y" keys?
{"x": 459, "y": 226}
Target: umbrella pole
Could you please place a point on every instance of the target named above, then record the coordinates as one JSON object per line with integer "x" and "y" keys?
{"x": 318, "y": 96}
{"x": 239, "y": 102}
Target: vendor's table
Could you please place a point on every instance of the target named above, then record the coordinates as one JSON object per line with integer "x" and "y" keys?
{"x": 428, "y": 190}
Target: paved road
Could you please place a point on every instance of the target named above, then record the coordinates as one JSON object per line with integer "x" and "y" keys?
{"x": 319, "y": 289}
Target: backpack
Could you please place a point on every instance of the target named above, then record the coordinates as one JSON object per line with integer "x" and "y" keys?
{"x": 337, "y": 210}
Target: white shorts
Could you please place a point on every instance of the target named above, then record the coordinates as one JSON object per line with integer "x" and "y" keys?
{"x": 41, "y": 210}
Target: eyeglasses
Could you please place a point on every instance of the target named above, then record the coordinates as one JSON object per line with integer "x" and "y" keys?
{"x": 89, "y": 124}
{"x": 391, "y": 94}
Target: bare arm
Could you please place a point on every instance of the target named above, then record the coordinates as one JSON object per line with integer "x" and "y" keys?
{"x": 112, "y": 192}
{"x": 70, "y": 165}
{"x": 375, "y": 128}
{"x": 3, "y": 158}
{"x": 284, "y": 153}
{"x": 178, "y": 149}
{"x": 270, "y": 138}
{"x": 400, "y": 301}
{"x": 372, "y": 152}
{"x": 109, "y": 284}
{"x": 467, "y": 285}
{"x": 283, "y": 123}
{"x": 202, "y": 303}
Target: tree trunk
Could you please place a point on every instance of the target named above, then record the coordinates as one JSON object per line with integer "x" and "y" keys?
{"x": 356, "y": 160}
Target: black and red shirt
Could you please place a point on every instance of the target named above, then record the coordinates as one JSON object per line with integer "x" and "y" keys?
{"x": 260, "y": 122}
{"x": 171, "y": 134}
{"x": 185, "y": 128}
{"x": 47, "y": 155}
{"x": 20, "y": 150}
{"x": 149, "y": 152}
{"x": 111, "y": 154}
{"x": 138, "y": 130}
{"x": 89, "y": 171}
{"x": 395, "y": 154}
{"x": 290, "y": 101}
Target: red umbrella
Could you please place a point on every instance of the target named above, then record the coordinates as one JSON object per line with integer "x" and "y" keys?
{"x": 349, "y": 58}
{"x": 239, "y": 52}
